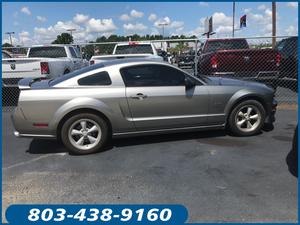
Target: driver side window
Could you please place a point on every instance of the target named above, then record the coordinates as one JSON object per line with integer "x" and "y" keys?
{"x": 152, "y": 75}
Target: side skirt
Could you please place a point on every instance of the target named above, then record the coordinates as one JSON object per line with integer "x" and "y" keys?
{"x": 164, "y": 131}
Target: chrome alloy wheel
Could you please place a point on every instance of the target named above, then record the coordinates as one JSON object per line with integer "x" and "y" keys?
{"x": 84, "y": 134}
{"x": 248, "y": 118}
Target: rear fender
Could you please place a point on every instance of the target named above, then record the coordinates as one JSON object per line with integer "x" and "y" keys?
{"x": 80, "y": 103}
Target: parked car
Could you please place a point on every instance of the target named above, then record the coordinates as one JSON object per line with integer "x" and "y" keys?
{"x": 137, "y": 97}
{"x": 186, "y": 59}
{"x": 288, "y": 49}
{"x": 5, "y": 54}
{"x": 288, "y": 69}
{"x": 234, "y": 58}
{"x": 129, "y": 50}
{"x": 41, "y": 62}
{"x": 292, "y": 157}
{"x": 164, "y": 54}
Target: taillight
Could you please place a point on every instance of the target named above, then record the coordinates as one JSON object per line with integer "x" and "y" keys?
{"x": 214, "y": 62}
{"x": 45, "y": 68}
{"x": 92, "y": 62}
{"x": 278, "y": 57}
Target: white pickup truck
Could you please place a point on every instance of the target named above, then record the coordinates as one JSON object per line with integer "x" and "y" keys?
{"x": 41, "y": 62}
{"x": 129, "y": 50}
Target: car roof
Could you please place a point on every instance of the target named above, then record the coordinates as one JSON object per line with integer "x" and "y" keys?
{"x": 52, "y": 45}
{"x": 134, "y": 43}
{"x": 125, "y": 61}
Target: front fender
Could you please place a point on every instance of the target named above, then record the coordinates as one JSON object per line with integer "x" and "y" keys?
{"x": 238, "y": 96}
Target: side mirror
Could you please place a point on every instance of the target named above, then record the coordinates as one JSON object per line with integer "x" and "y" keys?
{"x": 189, "y": 83}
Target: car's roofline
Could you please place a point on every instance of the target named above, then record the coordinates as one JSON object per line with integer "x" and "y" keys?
{"x": 135, "y": 60}
{"x": 133, "y": 43}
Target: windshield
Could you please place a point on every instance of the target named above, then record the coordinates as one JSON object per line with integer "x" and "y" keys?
{"x": 47, "y": 52}
{"x": 213, "y": 46}
{"x": 75, "y": 73}
{"x": 134, "y": 49}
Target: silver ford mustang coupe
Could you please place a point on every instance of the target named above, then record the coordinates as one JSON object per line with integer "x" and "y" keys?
{"x": 133, "y": 97}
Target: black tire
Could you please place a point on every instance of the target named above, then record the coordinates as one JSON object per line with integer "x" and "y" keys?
{"x": 235, "y": 118}
{"x": 89, "y": 118}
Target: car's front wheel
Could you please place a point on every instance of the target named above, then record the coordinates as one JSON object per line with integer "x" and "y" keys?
{"x": 84, "y": 133}
{"x": 247, "y": 118}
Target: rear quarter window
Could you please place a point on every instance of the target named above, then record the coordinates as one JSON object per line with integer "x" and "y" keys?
{"x": 97, "y": 79}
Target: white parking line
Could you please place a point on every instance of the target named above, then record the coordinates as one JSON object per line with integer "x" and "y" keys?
{"x": 32, "y": 160}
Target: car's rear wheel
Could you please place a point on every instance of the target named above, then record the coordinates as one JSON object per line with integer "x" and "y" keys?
{"x": 84, "y": 133}
{"x": 247, "y": 118}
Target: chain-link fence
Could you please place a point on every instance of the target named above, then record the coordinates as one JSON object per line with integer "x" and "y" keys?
{"x": 271, "y": 60}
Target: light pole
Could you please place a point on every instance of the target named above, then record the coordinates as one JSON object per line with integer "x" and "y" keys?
{"x": 273, "y": 24}
{"x": 10, "y": 37}
{"x": 233, "y": 17}
{"x": 71, "y": 32}
{"x": 163, "y": 24}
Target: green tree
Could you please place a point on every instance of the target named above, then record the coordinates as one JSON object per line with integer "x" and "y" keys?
{"x": 6, "y": 45}
{"x": 64, "y": 38}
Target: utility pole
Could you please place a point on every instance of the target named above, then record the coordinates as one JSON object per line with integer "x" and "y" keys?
{"x": 233, "y": 17}
{"x": 10, "y": 37}
{"x": 273, "y": 24}
{"x": 71, "y": 32}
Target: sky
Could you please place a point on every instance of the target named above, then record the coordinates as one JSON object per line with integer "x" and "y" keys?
{"x": 41, "y": 22}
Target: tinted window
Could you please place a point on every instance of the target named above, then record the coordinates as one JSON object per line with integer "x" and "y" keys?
{"x": 75, "y": 73}
{"x": 134, "y": 49}
{"x": 226, "y": 45}
{"x": 101, "y": 78}
{"x": 152, "y": 75}
{"x": 47, "y": 52}
{"x": 287, "y": 47}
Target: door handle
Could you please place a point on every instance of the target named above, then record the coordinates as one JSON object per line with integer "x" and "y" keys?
{"x": 139, "y": 96}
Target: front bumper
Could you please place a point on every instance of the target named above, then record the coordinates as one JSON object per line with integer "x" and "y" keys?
{"x": 250, "y": 75}
{"x": 271, "y": 116}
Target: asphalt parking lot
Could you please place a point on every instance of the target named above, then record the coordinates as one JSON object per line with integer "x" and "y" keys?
{"x": 219, "y": 178}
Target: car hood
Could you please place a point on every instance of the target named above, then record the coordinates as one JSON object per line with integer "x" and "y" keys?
{"x": 234, "y": 82}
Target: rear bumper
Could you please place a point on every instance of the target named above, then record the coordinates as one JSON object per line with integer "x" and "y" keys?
{"x": 25, "y": 128}
{"x": 17, "y": 134}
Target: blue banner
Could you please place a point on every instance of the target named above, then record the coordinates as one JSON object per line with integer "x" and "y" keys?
{"x": 87, "y": 214}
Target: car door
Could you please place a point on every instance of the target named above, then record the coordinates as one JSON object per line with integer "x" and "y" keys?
{"x": 158, "y": 98}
